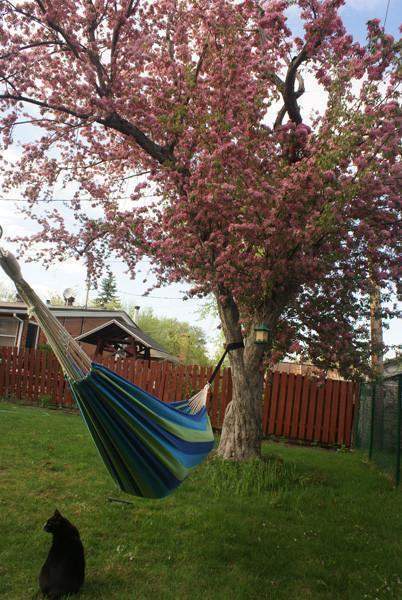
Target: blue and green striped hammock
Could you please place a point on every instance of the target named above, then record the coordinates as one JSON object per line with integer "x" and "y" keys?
{"x": 148, "y": 446}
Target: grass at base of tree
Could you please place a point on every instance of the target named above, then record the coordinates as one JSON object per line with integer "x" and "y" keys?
{"x": 303, "y": 523}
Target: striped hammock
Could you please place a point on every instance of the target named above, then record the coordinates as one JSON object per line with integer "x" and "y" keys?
{"x": 148, "y": 446}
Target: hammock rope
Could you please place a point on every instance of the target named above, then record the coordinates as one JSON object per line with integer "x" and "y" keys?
{"x": 148, "y": 446}
{"x": 75, "y": 363}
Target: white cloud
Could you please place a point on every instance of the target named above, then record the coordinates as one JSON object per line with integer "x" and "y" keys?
{"x": 363, "y": 5}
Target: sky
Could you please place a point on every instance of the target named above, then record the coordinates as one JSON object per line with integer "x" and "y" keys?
{"x": 169, "y": 300}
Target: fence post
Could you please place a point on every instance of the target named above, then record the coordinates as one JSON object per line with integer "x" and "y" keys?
{"x": 398, "y": 434}
{"x": 373, "y": 394}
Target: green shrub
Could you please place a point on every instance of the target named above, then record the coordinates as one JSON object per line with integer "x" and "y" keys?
{"x": 46, "y": 401}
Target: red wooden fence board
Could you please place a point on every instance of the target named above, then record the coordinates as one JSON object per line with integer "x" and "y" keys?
{"x": 273, "y": 403}
{"x": 6, "y": 366}
{"x": 311, "y": 410}
{"x": 351, "y": 405}
{"x": 327, "y": 411}
{"x": 265, "y": 404}
{"x": 281, "y": 404}
{"x": 343, "y": 391}
{"x": 296, "y": 407}
{"x": 12, "y": 372}
{"x": 333, "y": 422}
{"x": 304, "y": 409}
{"x": 287, "y": 417}
{"x": 214, "y": 401}
{"x": 319, "y": 413}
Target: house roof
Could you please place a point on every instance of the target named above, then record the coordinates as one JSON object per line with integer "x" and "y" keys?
{"x": 69, "y": 311}
{"x": 115, "y": 328}
{"x": 393, "y": 367}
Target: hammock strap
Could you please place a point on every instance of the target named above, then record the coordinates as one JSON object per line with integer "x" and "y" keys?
{"x": 228, "y": 348}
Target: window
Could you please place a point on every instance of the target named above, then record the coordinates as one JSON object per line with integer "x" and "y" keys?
{"x": 8, "y": 331}
{"x": 32, "y": 335}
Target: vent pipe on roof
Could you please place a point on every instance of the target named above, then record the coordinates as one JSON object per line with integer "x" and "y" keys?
{"x": 136, "y": 313}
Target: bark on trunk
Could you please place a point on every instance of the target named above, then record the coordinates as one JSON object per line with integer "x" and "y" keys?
{"x": 377, "y": 342}
{"x": 242, "y": 427}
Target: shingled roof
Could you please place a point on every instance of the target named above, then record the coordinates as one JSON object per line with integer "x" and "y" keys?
{"x": 116, "y": 329}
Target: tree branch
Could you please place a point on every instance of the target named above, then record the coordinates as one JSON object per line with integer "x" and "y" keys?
{"x": 130, "y": 10}
{"x": 57, "y": 108}
{"x": 58, "y": 29}
{"x": 290, "y": 96}
{"x": 34, "y": 45}
{"x": 280, "y": 116}
{"x": 159, "y": 153}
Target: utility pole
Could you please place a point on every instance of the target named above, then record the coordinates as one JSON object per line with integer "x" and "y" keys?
{"x": 88, "y": 282}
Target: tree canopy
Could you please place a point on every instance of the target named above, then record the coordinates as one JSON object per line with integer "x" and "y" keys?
{"x": 6, "y": 293}
{"x": 181, "y": 339}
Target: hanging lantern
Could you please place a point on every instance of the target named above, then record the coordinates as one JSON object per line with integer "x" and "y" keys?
{"x": 261, "y": 334}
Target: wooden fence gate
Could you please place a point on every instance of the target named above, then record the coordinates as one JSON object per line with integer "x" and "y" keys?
{"x": 295, "y": 407}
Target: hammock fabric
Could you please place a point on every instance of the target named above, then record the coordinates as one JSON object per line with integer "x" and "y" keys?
{"x": 148, "y": 446}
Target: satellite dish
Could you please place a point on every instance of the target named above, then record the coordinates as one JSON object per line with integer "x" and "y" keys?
{"x": 69, "y": 296}
{"x": 68, "y": 293}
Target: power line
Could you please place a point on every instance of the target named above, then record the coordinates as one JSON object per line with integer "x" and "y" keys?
{"x": 48, "y": 201}
{"x": 145, "y": 296}
{"x": 386, "y": 14}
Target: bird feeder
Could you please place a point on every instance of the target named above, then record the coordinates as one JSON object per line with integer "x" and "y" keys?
{"x": 261, "y": 334}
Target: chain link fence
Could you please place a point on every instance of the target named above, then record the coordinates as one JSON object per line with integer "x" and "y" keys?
{"x": 378, "y": 427}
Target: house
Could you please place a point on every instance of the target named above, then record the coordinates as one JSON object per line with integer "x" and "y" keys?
{"x": 393, "y": 367}
{"x": 307, "y": 369}
{"x": 98, "y": 330}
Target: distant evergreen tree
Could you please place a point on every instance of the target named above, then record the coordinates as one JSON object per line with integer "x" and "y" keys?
{"x": 107, "y": 297}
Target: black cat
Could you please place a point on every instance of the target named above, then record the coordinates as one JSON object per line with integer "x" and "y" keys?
{"x": 64, "y": 568}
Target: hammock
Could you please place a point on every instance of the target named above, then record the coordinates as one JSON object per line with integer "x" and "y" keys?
{"x": 148, "y": 446}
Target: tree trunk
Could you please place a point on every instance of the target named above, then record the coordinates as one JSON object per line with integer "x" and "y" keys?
{"x": 377, "y": 342}
{"x": 242, "y": 427}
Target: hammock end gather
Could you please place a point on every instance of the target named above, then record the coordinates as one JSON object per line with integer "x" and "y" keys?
{"x": 10, "y": 265}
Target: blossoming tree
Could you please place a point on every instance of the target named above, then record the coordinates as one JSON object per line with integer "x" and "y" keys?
{"x": 285, "y": 221}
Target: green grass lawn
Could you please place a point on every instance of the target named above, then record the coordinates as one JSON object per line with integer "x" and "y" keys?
{"x": 305, "y": 523}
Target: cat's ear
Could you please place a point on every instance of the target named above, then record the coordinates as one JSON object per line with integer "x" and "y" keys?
{"x": 56, "y": 513}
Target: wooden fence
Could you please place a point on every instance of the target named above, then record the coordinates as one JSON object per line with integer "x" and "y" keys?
{"x": 295, "y": 407}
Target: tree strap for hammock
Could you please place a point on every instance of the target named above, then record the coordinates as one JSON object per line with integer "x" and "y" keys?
{"x": 228, "y": 348}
